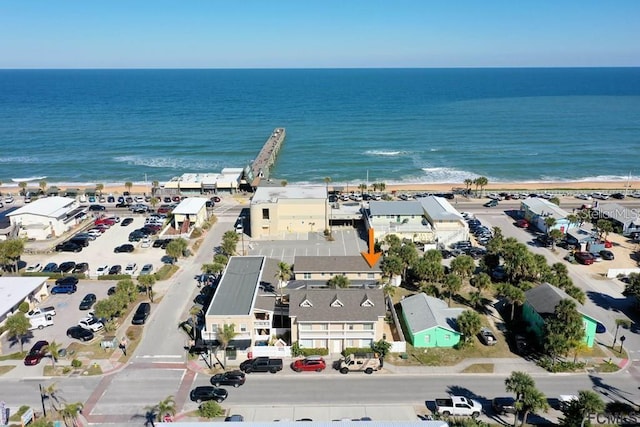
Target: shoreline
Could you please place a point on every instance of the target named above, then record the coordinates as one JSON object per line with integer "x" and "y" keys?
{"x": 554, "y": 186}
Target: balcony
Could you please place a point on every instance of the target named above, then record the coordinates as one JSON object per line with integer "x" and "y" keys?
{"x": 266, "y": 324}
{"x": 371, "y": 333}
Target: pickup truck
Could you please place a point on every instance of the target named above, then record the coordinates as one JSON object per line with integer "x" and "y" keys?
{"x": 261, "y": 364}
{"x": 458, "y": 406}
{"x": 51, "y": 311}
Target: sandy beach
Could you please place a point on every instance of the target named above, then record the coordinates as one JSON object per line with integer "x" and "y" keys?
{"x": 558, "y": 187}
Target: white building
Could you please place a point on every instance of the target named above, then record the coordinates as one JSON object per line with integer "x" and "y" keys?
{"x": 191, "y": 212}
{"x": 15, "y": 290}
{"x": 47, "y": 217}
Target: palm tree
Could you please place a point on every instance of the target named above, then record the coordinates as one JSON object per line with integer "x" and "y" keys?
{"x": 468, "y": 183}
{"x": 224, "y": 337}
{"x": 52, "y": 393}
{"x": 338, "y": 281}
{"x": 99, "y": 188}
{"x": 283, "y": 274}
{"x": 166, "y": 406}
{"x": 283, "y": 183}
{"x": 518, "y": 382}
{"x": 453, "y": 283}
{"x": 463, "y": 266}
{"x": 513, "y": 295}
{"x": 549, "y": 223}
{"x": 147, "y": 281}
{"x": 481, "y": 282}
{"x": 54, "y": 352}
{"x": 18, "y": 326}
{"x": 625, "y": 323}
{"x": 23, "y": 186}
{"x": 70, "y": 413}
{"x": 588, "y": 402}
{"x": 382, "y": 186}
{"x": 128, "y": 185}
{"x": 482, "y": 182}
{"x": 362, "y": 187}
{"x": 572, "y": 219}
{"x": 154, "y": 202}
{"x": 533, "y": 400}
{"x": 43, "y": 186}
{"x": 469, "y": 323}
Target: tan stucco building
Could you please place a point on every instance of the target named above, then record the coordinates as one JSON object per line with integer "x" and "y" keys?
{"x": 289, "y": 209}
{"x": 336, "y": 318}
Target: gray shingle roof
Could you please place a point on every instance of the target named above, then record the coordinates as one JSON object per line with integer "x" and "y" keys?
{"x": 350, "y": 309}
{"x": 439, "y": 209}
{"x": 238, "y": 287}
{"x": 544, "y": 207}
{"x": 545, "y": 298}
{"x": 618, "y": 212}
{"x": 424, "y": 312}
{"x": 333, "y": 264}
{"x": 404, "y": 208}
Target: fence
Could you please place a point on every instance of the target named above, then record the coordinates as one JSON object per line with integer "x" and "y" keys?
{"x": 396, "y": 346}
{"x": 271, "y": 351}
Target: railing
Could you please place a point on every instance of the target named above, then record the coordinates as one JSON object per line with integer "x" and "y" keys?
{"x": 336, "y": 334}
{"x": 262, "y": 323}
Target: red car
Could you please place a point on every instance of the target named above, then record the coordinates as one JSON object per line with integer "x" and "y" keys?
{"x": 105, "y": 221}
{"x": 522, "y": 223}
{"x": 585, "y": 258}
{"x": 36, "y": 353}
{"x": 311, "y": 363}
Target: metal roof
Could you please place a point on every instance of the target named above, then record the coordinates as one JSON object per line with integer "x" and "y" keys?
{"x": 238, "y": 287}
{"x": 273, "y": 194}
{"x": 339, "y": 305}
{"x": 424, "y": 312}
{"x": 52, "y": 207}
{"x": 333, "y": 264}
{"x": 618, "y": 212}
{"x": 439, "y": 209}
{"x": 14, "y": 290}
{"x": 544, "y": 207}
{"x": 399, "y": 207}
{"x": 190, "y": 206}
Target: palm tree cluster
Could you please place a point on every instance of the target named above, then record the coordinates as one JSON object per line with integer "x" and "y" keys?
{"x": 528, "y": 398}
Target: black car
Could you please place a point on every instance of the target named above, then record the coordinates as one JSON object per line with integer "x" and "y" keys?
{"x": 126, "y": 222}
{"x": 491, "y": 203}
{"x": 618, "y": 196}
{"x": 111, "y": 199}
{"x": 111, "y": 291}
{"x": 234, "y": 378}
{"x": 504, "y": 405}
{"x": 63, "y": 289}
{"x": 141, "y": 314}
{"x": 50, "y": 268}
{"x": 81, "y": 268}
{"x": 67, "y": 281}
{"x": 66, "y": 267}
{"x": 136, "y": 236}
{"x": 207, "y": 392}
{"x": 80, "y": 333}
{"x": 607, "y": 255}
{"x": 124, "y": 248}
{"x": 97, "y": 208}
{"x": 122, "y": 205}
{"x": 88, "y": 301}
{"x": 115, "y": 269}
{"x": 160, "y": 243}
{"x": 68, "y": 247}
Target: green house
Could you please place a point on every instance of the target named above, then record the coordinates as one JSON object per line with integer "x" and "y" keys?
{"x": 430, "y": 322}
{"x": 541, "y": 302}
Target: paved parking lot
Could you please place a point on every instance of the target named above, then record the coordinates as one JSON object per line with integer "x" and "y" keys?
{"x": 100, "y": 250}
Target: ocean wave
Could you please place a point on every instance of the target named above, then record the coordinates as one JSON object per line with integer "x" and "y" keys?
{"x": 22, "y": 159}
{"x": 385, "y": 153}
{"x": 596, "y": 178}
{"x": 169, "y": 163}
{"x": 445, "y": 175}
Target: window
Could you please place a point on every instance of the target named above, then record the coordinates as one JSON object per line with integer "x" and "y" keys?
{"x": 243, "y": 327}
{"x": 265, "y": 213}
{"x": 368, "y": 326}
{"x": 306, "y": 343}
{"x": 370, "y": 276}
{"x": 305, "y": 327}
{"x": 350, "y": 327}
{"x": 214, "y": 328}
{"x": 365, "y": 343}
{"x": 323, "y": 327}
{"x": 306, "y": 276}
{"x": 350, "y": 343}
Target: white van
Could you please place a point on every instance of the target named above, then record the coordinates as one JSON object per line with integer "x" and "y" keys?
{"x": 41, "y": 322}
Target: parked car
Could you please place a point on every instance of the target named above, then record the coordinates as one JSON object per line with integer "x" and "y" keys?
{"x": 491, "y": 203}
{"x": 522, "y": 223}
{"x": 50, "y": 268}
{"x": 585, "y": 258}
{"x": 64, "y": 289}
{"x": 521, "y": 344}
{"x": 608, "y": 255}
{"x": 207, "y": 392}
{"x": 87, "y": 302}
{"x": 66, "y": 267}
{"x": 487, "y": 337}
{"x": 96, "y": 208}
{"x": 124, "y": 248}
{"x": 309, "y": 363}
{"x": 141, "y": 314}
{"x": 504, "y": 405}
{"x": 91, "y": 323}
{"x": 33, "y": 268}
{"x": 67, "y": 281}
{"x": 234, "y": 378}
{"x": 36, "y": 353}
{"x": 126, "y": 222}
{"x": 234, "y": 418}
{"x": 115, "y": 269}
{"x": 131, "y": 268}
{"x": 68, "y": 247}
{"x": 81, "y": 268}
{"x": 146, "y": 269}
{"x": 111, "y": 291}
{"x": 80, "y": 333}
{"x": 102, "y": 270}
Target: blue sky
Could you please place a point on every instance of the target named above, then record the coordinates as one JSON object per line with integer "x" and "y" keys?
{"x": 310, "y": 33}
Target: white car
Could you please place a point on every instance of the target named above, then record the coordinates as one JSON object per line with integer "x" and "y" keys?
{"x": 131, "y": 268}
{"x": 8, "y": 199}
{"x": 91, "y": 323}
{"x": 601, "y": 196}
{"x": 146, "y": 243}
{"x": 102, "y": 270}
{"x": 584, "y": 197}
{"x": 33, "y": 268}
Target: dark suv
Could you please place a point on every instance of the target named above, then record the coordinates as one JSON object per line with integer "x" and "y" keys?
{"x": 64, "y": 289}
{"x": 234, "y": 378}
{"x": 207, "y": 392}
{"x": 141, "y": 314}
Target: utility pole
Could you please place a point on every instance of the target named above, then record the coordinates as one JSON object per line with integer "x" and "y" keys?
{"x": 44, "y": 410}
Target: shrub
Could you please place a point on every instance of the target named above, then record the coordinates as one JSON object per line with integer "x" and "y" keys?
{"x": 166, "y": 271}
{"x": 351, "y": 350}
{"x": 66, "y": 370}
{"x": 76, "y": 363}
{"x": 197, "y": 232}
{"x": 23, "y": 307}
{"x": 114, "y": 277}
{"x": 560, "y": 366}
{"x": 210, "y": 409}
{"x": 313, "y": 352}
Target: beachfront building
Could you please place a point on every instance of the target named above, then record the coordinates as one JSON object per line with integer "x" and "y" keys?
{"x": 190, "y": 212}
{"x": 47, "y": 217}
{"x": 430, "y": 322}
{"x": 275, "y": 211}
{"x": 335, "y": 319}
{"x": 323, "y": 268}
{"x": 624, "y": 220}
{"x": 16, "y": 290}
{"x": 541, "y": 303}
{"x": 536, "y": 210}
{"x": 430, "y": 220}
{"x": 228, "y": 180}
{"x": 239, "y": 301}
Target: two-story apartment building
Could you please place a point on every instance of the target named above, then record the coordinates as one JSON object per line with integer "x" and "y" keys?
{"x": 336, "y": 318}
{"x": 289, "y": 209}
{"x": 428, "y": 220}
{"x": 238, "y": 301}
{"x": 323, "y": 268}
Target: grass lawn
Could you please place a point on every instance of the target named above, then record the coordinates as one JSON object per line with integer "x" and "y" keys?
{"x": 479, "y": 368}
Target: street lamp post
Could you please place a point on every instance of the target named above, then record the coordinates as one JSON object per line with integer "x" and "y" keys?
{"x": 44, "y": 410}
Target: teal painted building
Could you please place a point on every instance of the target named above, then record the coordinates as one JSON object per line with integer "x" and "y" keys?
{"x": 430, "y": 322}
{"x": 541, "y": 302}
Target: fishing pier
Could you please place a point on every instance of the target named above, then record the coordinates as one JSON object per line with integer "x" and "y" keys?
{"x": 260, "y": 168}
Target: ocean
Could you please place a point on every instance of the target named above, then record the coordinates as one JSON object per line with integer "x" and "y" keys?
{"x": 353, "y": 125}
